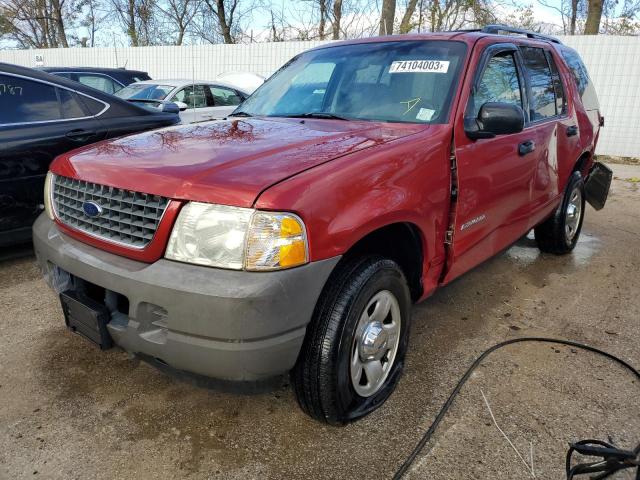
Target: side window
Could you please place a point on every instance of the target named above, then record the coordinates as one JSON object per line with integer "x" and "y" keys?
{"x": 499, "y": 83}
{"x": 93, "y": 106}
{"x": 584, "y": 83}
{"x": 543, "y": 97}
{"x": 561, "y": 101}
{"x": 24, "y": 100}
{"x": 193, "y": 95}
{"x": 99, "y": 82}
{"x": 224, "y": 97}
{"x": 70, "y": 104}
{"x": 577, "y": 69}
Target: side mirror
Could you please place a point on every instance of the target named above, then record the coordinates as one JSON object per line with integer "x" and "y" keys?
{"x": 169, "y": 107}
{"x": 495, "y": 118}
{"x": 182, "y": 106}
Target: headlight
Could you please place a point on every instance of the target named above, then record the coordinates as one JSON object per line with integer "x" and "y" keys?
{"x": 237, "y": 238}
{"x": 211, "y": 235}
{"x": 48, "y": 191}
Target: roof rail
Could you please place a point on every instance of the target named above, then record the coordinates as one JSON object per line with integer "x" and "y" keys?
{"x": 498, "y": 29}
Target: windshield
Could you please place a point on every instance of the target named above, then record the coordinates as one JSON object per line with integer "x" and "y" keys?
{"x": 409, "y": 81}
{"x": 145, "y": 91}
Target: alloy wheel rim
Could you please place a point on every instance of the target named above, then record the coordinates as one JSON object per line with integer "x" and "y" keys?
{"x": 573, "y": 214}
{"x": 375, "y": 343}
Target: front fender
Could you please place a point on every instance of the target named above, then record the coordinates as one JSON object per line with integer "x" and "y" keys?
{"x": 342, "y": 201}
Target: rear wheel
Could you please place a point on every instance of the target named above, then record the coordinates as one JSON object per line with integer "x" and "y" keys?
{"x": 354, "y": 349}
{"x": 559, "y": 233}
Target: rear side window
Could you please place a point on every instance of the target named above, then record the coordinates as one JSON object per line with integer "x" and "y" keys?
{"x": 499, "y": 83}
{"x": 577, "y": 68}
{"x": 581, "y": 76}
{"x": 23, "y": 101}
{"x": 543, "y": 96}
{"x": 94, "y": 107}
{"x": 70, "y": 104}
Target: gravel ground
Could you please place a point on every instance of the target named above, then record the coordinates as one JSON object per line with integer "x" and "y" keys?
{"x": 70, "y": 411}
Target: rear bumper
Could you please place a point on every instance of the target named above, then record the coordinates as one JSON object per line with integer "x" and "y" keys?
{"x": 224, "y": 324}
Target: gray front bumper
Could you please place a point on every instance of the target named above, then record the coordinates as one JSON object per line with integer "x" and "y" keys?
{"x": 225, "y": 324}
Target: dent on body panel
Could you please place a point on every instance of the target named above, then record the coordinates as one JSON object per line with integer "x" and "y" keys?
{"x": 342, "y": 201}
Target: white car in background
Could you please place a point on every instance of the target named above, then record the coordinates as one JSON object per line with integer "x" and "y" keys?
{"x": 198, "y": 100}
{"x": 247, "y": 82}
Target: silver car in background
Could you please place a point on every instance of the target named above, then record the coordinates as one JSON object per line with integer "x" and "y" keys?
{"x": 198, "y": 100}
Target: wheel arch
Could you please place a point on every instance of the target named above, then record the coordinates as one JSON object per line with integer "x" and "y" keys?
{"x": 583, "y": 163}
{"x": 402, "y": 242}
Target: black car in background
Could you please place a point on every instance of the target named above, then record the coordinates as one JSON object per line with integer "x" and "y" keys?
{"x": 42, "y": 116}
{"x": 108, "y": 80}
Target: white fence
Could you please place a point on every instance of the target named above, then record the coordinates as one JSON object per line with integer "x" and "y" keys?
{"x": 613, "y": 62}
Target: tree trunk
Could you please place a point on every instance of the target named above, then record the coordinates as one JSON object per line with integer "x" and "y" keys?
{"x": 574, "y": 16}
{"x": 594, "y": 14}
{"x": 323, "y": 19}
{"x": 337, "y": 18}
{"x": 131, "y": 23}
{"x": 406, "y": 25}
{"x": 57, "y": 16}
{"x": 222, "y": 20}
{"x": 387, "y": 16}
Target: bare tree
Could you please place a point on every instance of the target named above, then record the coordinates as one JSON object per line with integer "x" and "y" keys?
{"x": 139, "y": 19}
{"x": 178, "y": 16}
{"x": 387, "y": 17}
{"x": 224, "y": 11}
{"x": 37, "y": 23}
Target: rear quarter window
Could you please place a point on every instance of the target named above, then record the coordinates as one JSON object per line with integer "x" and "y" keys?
{"x": 581, "y": 76}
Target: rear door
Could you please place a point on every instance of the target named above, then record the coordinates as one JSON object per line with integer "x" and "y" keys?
{"x": 38, "y": 121}
{"x": 549, "y": 127}
{"x": 495, "y": 175}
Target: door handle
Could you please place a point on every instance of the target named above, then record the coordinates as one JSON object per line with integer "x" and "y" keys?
{"x": 80, "y": 135}
{"x": 526, "y": 147}
{"x": 572, "y": 130}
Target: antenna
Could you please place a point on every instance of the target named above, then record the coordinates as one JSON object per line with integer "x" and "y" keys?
{"x": 193, "y": 76}
{"x": 115, "y": 50}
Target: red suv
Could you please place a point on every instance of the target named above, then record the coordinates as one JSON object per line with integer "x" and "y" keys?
{"x": 296, "y": 235}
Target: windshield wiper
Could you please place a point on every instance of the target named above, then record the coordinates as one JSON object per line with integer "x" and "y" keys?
{"x": 241, "y": 114}
{"x": 328, "y": 115}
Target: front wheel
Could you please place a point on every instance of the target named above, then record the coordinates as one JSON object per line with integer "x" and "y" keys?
{"x": 559, "y": 233}
{"x": 354, "y": 349}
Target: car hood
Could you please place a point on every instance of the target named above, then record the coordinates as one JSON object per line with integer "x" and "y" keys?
{"x": 229, "y": 162}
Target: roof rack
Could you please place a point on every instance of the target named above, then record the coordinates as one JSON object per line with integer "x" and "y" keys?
{"x": 498, "y": 29}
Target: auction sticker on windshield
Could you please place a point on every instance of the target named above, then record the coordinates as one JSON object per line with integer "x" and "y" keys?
{"x": 419, "y": 66}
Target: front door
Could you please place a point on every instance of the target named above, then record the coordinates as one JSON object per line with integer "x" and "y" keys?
{"x": 495, "y": 175}
{"x": 195, "y": 97}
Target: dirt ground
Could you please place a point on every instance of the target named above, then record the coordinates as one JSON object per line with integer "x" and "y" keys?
{"x": 69, "y": 411}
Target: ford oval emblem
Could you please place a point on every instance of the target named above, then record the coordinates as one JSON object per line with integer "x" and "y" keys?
{"x": 92, "y": 209}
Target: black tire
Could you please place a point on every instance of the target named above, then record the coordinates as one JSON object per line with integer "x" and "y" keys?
{"x": 322, "y": 375}
{"x": 555, "y": 234}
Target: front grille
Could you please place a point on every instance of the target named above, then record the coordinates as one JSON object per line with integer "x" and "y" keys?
{"x": 127, "y": 217}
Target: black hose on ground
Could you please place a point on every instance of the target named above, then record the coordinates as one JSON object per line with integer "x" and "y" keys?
{"x": 613, "y": 459}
